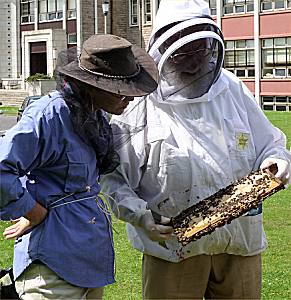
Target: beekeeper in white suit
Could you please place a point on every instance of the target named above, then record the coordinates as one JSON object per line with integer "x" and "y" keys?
{"x": 198, "y": 132}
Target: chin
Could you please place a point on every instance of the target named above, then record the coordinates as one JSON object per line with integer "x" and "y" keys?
{"x": 117, "y": 111}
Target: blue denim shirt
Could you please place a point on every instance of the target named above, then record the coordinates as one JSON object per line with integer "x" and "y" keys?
{"x": 75, "y": 239}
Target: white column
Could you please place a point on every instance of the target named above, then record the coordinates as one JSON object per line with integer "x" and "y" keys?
{"x": 219, "y": 7}
{"x": 24, "y": 53}
{"x": 36, "y": 16}
{"x": 154, "y": 10}
{"x": 96, "y": 16}
{"x": 14, "y": 40}
{"x": 79, "y": 24}
{"x": 65, "y": 15}
{"x": 257, "y": 46}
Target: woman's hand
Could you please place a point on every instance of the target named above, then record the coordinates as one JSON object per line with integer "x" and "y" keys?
{"x": 17, "y": 229}
{"x": 21, "y": 225}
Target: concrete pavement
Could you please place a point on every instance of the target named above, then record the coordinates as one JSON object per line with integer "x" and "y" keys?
{"x": 6, "y": 122}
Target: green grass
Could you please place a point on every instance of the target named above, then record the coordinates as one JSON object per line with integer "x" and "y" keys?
{"x": 9, "y": 110}
{"x": 282, "y": 120}
{"x": 276, "y": 259}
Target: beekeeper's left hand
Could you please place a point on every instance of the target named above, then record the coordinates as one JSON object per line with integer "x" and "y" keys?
{"x": 279, "y": 167}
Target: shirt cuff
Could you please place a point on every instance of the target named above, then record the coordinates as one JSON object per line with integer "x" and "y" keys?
{"x": 18, "y": 208}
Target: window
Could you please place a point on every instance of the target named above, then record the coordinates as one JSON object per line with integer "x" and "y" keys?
{"x": 266, "y": 4}
{"x": 276, "y": 57}
{"x": 27, "y": 11}
{"x": 133, "y": 13}
{"x": 238, "y": 6}
{"x": 140, "y": 6}
{"x": 72, "y": 8}
{"x": 212, "y": 6}
{"x": 239, "y": 57}
{"x": 50, "y": 10}
{"x": 275, "y": 4}
{"x": 72, "y": 38}
{"x": 277, "y": 103}
{"x": 147, "y": 11}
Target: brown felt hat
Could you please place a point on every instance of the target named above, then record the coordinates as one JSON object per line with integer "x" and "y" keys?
{"x": 113, "y": 64}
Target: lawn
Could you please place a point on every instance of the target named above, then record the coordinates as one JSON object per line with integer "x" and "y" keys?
{"x": 9, "y": 110}
{"x": 276, "y": 260}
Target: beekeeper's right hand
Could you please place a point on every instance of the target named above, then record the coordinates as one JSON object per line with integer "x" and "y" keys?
{"x": 156, "y": 232}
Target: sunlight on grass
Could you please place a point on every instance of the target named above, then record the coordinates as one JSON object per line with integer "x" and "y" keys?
{"x": 9, "y": 110}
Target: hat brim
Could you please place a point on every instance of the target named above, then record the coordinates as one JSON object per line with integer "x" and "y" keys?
{"x": 142, "y": 84}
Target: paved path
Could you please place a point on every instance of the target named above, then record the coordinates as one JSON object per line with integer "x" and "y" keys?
{"x": 6, "y": 122}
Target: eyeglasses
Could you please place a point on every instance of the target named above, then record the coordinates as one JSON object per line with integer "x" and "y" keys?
{"x": 184, "y": 55}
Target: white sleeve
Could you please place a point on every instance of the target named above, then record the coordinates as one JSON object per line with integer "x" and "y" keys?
{"x": 119, "y": 186}
{"x": 269, "y": 141}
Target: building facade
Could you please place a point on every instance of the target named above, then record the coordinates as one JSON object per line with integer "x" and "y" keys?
{"x": 257, "y": 42}
{"x": 257, "y": 37}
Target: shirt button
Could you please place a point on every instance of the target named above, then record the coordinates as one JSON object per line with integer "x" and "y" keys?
{"x": 88, "y": 188}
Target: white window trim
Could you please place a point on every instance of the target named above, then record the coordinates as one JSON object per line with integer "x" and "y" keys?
{"x": 130, "y": 15}
{"x": 234, "y": 4}
{"x": 276, "y": 104}
{"x": 29, "y": 19}
{"x": 273, "y": 6}
{"x": 144, "y": 13}
{"x": 237, "y": 68}
{"x": 68, "y": 39}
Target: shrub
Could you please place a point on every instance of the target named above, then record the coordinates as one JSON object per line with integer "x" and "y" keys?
{"x": 37, "y": 76}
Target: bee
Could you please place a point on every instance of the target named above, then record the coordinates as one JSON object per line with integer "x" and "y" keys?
{"x": 92, "y": 221}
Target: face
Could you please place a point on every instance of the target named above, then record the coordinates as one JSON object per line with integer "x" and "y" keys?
{"x": 109, "y": 102}
{"x": 189, "y": 58}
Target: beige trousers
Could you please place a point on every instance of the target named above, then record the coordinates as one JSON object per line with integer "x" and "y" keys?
{"x": 220, "y": 276}
{"x": 38, "y": 282}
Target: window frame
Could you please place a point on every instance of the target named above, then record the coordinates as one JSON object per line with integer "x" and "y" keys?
{"x": 146, "y": 14}
{"x": 29, "y": 14}
{"x": 230, "y": 7}
{"x": 213, "y": 7}
{"x": 275, "y": 103}
{"x": 131, "y": 14}
{"x": 286, "y": 5}
{"x": 68, "y": 38}
{"x": 47, "y": 14}
{"x": 271, "y": 58}
{"x": 237, "y": 49}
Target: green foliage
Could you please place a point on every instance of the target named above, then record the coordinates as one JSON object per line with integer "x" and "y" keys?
{"x": 37, "y": 76}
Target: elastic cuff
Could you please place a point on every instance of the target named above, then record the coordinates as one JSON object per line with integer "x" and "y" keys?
{"x": 138, "y": 215}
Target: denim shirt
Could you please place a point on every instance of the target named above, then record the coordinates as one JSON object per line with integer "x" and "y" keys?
{"x": 75, "y": 239}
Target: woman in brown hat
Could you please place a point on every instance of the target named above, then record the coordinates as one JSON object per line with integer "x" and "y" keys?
{"x": 61, "y": 145}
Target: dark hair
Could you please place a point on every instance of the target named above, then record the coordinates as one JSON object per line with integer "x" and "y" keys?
{"x": 91, "y": 126}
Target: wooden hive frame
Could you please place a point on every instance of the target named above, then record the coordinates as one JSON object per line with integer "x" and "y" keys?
{"x": 225, "y": 205}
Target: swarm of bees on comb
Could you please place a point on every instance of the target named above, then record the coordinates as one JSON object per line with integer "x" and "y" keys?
{"x": 225, "y": 205}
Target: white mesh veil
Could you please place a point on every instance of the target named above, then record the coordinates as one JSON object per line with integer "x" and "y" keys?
{"x": 189, "y": 55}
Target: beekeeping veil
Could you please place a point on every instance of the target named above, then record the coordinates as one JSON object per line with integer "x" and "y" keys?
{"x": 188, "y": 48}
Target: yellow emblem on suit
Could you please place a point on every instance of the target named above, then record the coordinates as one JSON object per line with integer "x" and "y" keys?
{"x": 242, "y": 141}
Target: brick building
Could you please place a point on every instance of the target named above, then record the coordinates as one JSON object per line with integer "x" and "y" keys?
{"x": 257, "y": 35}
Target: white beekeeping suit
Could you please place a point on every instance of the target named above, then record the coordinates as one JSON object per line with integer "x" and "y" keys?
{"x": 198, "y": 132}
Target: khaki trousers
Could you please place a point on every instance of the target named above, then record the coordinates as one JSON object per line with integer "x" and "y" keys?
{"x": 220, "y": 276}
{"x": 38, "y": 282}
